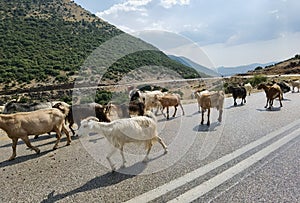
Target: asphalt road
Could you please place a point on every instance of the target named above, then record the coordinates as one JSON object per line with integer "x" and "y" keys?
{"x": 252, "y": 156}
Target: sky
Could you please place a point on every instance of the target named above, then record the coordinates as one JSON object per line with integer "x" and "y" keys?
{"x": 212, "y": 33}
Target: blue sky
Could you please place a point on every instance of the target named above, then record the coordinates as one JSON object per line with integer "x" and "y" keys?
{"x": 217, "y": 32}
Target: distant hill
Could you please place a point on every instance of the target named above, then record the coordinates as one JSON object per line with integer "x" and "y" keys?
{"x": 286, "y": 67}
{"x": 229, "y": 71}
{"x": 46, "y": 42}
{"x": 203, "y": 71}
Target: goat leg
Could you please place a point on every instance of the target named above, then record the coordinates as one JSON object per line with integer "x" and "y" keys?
{"x": 149, "y": 145}
{"x": 182, "y": 109}
{"x": 14, "y": 147}
{"x": 67, "y": 134}
{"x": 112, "y": 166}
{"x": 234, "y": 103}
{"x": 202, "y": 117}
{"x": 123, "y": 157}
{"x": 167, "y": 112}
{"x": 220, "y": 115}
{"x": 27, "y": 142}
{"x": 162, "y": 144}
{"x": 267, "y": 103}
{"x": 208, "y": 115}
{"x": 58, "y": 134}
{"x": 175, "y": 111}
{"x": 280, "y": 102}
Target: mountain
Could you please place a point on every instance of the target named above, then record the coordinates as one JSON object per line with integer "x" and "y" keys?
{"x": 286, "y": 67}
{"x": 229, "y": 71}
{"x": 203, "y": 71}
{"x": 47, "y": 41}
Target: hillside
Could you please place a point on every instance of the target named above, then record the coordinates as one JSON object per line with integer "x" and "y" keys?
{"x": 46, "y": 42}
{"x": 289, "y": 66}
{"x": 203, "y": 71}
{"x": 229, "y": 71}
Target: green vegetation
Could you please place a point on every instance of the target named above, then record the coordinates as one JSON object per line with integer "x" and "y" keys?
{"x": 257, "y": 79}
{"x": 48, "y": 40}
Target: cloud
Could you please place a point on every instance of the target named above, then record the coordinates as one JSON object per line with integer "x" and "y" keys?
{"x": 171, "y": 3}
{"x": 128, "y": 6}
{"x": 230, "y": 23}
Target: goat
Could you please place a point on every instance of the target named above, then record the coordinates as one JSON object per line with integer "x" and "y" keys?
{"x": 126, "y": 110}
{"x": 284, "y": 87}
{"x": 168, "y": 100}
{"x": 23, "y": 124}
{"x": 1, "y": 109}
{"x": 148, "y": 97}
{"x": 238, "y": 92}
{"x": 208, "y": 100}
{"x": 272, "y": 92}
{"x": 248, "y": 88}
{"x": 139, "y": 129}
{"x": 295, "y": 83}
{"x": 80, "y": 111}
{"x": 198, "y": 94}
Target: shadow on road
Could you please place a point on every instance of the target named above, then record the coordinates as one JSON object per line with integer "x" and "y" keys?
{"x": 205, "y": 128}
{"x": 105, "y": 180}
{"x": 274, "y": 109}
{"x": 20, "y": 159}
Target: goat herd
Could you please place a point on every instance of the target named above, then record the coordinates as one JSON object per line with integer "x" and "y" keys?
{"x": 119, "y": 124}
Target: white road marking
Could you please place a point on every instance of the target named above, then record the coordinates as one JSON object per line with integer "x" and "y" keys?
{"x": 163, "y": 189}
{"x": 219, "y": 179}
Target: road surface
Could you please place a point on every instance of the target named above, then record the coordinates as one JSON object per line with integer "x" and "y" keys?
{"x": 252, "y": 156}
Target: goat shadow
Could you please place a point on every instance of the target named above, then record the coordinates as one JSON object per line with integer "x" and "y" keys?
{"x": 237, "y": 106}
{"x": 108, "y": 179}
{"x": 21, "y": 159}
{"x": 206, "y": 128}
{"x": 274, "y": 109}
{"x": 24, "y": 158}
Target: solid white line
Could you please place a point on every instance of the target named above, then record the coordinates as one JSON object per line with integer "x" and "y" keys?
{"x": 167, "y": 187}
{"x": 219, "y": 179}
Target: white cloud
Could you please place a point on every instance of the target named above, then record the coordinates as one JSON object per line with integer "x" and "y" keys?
{"x": 171, "y": 3}
{"x": 128, "y": 6}
{"x": 273, "y": 50}
{"x": 232, "y": 25}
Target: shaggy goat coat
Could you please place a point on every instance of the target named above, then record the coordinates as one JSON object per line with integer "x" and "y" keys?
{"x": 140, "y": 129}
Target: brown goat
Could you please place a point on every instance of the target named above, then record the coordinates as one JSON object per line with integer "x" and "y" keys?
{"x": 272, "y": 92}
{"x": 21, "y": 125}
{"x": 170, "y": 100}
{"x": 81, "y": 111}
{"x": 208, "y": 100}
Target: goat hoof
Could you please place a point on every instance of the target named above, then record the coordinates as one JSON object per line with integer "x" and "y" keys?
{"x": 38, "y": 151}
{"x": 11, "y": 158}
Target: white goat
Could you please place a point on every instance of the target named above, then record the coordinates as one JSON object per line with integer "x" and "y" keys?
{"x": 140, "y": 129}
{"x": 248, "y": 88}
{"x": 295, "y": 84}
{"x": 21, "y": 125}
